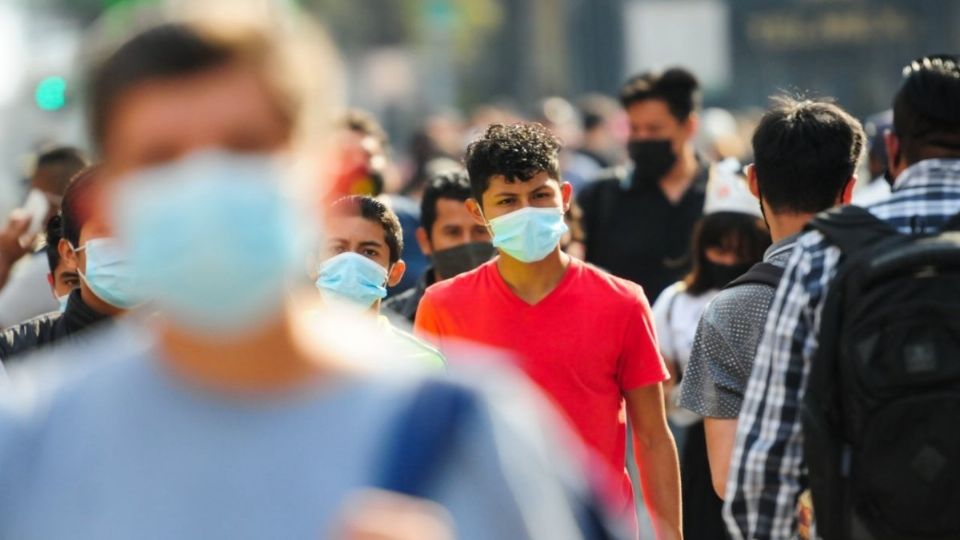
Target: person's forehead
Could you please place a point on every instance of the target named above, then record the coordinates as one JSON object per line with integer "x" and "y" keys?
{"x": 217, "y": 108}
{"x": 650, "y": 109}
{"x": 355, "y": 229}
{"x": 500, "y": 183}
{"x": 452, "y": 209}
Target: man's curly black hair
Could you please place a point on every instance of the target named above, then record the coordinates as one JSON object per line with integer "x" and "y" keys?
{"x": 518, "y": 152}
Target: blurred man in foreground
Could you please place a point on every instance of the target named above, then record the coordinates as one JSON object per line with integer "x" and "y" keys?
{"x": 229, "y": 414}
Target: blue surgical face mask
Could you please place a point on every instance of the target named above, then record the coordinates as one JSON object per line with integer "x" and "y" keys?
{"x": 62, "y": 300}
{"x": 214, "y": 238}
{"x": 528, "y": 234}
{"x": 352, "y": 279}
{"x": 109, "y": 274}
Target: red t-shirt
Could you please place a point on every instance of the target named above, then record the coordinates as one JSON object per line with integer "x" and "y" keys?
{"x": 591, "y": 339}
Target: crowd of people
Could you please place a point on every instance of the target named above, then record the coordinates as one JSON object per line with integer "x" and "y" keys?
{"x": 245, "y": 318}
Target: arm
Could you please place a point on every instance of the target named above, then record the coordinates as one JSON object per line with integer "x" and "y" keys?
{"x": 720, "y": 433}
{"x": 766, "y": 474}
{"x": 656, "y": 455}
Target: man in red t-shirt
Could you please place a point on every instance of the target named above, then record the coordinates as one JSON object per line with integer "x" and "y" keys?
{"x": 584, "y": 336}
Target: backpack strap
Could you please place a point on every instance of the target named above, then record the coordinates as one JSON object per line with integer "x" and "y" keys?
{"x": 423, "y": 437}
{"x": 763, "y": 273}
{"x": 850, "y": 227}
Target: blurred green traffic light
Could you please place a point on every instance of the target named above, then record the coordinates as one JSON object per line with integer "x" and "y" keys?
{"x": 51, "y": 93}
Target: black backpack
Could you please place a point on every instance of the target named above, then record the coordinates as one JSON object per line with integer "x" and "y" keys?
{"x": 881, "y": 412}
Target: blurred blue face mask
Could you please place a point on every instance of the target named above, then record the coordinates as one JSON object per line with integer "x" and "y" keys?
{"x": 109, "y": 274}
{"x": 528, "y": 234}
{"x": 214, "y": 239}
{"x": 62, "y": 300}
{"x": 353, "y": 279}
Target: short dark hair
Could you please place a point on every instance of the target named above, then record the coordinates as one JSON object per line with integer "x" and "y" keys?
{"x": 516, "y": 151}
{"x": 926, "y": 109}
{"x": 740, "y": 232}
{"x": 53, "y": 233}
{"x": 62, "y": 162}
{"x": 373, "y": 210}
{"x": 176, "y": 50}
{"x": 675, "y": 86}
{"x": 452, "y": 185}
{"x": 364, "y": 123}
{"x": 805, "y": 152}
{"x": 76, "y": 207}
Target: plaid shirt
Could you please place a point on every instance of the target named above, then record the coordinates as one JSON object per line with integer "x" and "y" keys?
{"x": 767, "y": 472}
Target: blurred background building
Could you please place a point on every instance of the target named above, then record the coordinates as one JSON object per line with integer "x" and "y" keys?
{"x": 463, "y": 62}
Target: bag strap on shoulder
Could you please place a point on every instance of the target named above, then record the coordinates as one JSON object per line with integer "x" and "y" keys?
{"x": 763, "y": 273}
{"x": 850, "y": 227}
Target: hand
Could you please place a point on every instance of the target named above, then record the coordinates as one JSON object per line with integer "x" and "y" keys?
{"x": 382, "y": 515}
{"x": 11, "y": 250}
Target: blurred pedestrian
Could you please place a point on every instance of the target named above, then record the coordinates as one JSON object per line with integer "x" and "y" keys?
{"x": 229, "y": 412}
{"x": 361, "y": 258}
{"x": 105, "y": 288}
{"x": 448, "y": 235}
{"x": 585, "y": 337}
{"x": 639, "y": 220}
{"x": 876, "y": 187}
{"x": 23, "y": 266}
{"x": 727, "y": 241}
{"x": 602, "y": 144}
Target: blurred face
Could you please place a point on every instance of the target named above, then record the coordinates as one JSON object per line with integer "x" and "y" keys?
{"x": 364, "y": 237}
{"x": 651, "y": 119}
{"x": 503, "y": 197}
{"x": 454, "y": 227}
{"x": 228, "y": 108}
{"x": 723, "y": 255}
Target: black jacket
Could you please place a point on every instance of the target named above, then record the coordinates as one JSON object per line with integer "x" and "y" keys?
{"x": 46, "y": 329}
{"x": 406, "y": 303}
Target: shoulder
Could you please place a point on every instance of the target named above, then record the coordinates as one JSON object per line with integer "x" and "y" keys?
{"x": 605, "y": 180}
{"x": 607, "y": 288}
{"x": 27, "y": 334}
{"x": 398, "y": 302}
{"x": 453, "y": 288}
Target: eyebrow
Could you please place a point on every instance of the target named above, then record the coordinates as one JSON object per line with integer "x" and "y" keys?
{"x": 371, "y": 243}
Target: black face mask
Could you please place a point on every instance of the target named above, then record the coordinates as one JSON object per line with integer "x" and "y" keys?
{"x": 721, "y": 274}
{"x": 652, "y": 160}
{"x": 451, "y": 262}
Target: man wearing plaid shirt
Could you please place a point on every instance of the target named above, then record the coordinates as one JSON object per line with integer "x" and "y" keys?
{"x": 768, "y": 473}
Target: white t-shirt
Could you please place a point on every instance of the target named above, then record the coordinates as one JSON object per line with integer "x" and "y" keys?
{"x": 676, "y": 315}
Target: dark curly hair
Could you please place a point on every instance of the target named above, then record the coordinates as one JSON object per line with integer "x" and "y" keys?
{"x": 518, "y": 152}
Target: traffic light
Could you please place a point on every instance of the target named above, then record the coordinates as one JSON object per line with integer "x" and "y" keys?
{"x": 51, "y": 93}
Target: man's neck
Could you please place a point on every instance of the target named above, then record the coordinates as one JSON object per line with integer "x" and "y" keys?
{"x": 786, "y": 225}
{"x": 268, "y": 358}
{"x": 675, "y": 184}
{"x": 532, "y": 282}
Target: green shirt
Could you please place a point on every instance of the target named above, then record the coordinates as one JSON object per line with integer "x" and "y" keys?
{"x": 415, "y": 348}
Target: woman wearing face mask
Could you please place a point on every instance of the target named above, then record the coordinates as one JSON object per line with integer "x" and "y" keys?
{"x": 726, "y": 242}
{"x": 105, "y": 287}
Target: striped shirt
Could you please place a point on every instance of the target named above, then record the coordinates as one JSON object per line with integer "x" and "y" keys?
{"x": 767, "y": 472}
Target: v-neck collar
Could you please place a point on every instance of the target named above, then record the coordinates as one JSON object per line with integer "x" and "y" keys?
{"x": 572, "y": 269}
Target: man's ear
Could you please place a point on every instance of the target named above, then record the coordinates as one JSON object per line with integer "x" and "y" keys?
{"x": 752, "y": 180}
{"x": 566, "y": 193}
{"x": 396, "y": 273}
{"x": 68, "y": 255}
{"x": 691, "y": 125}
{"x": 847, "y": 196}
{"x": 423, "y": 241}
{"x": 892, "y": 144}
{"x": 476, "y": 212}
